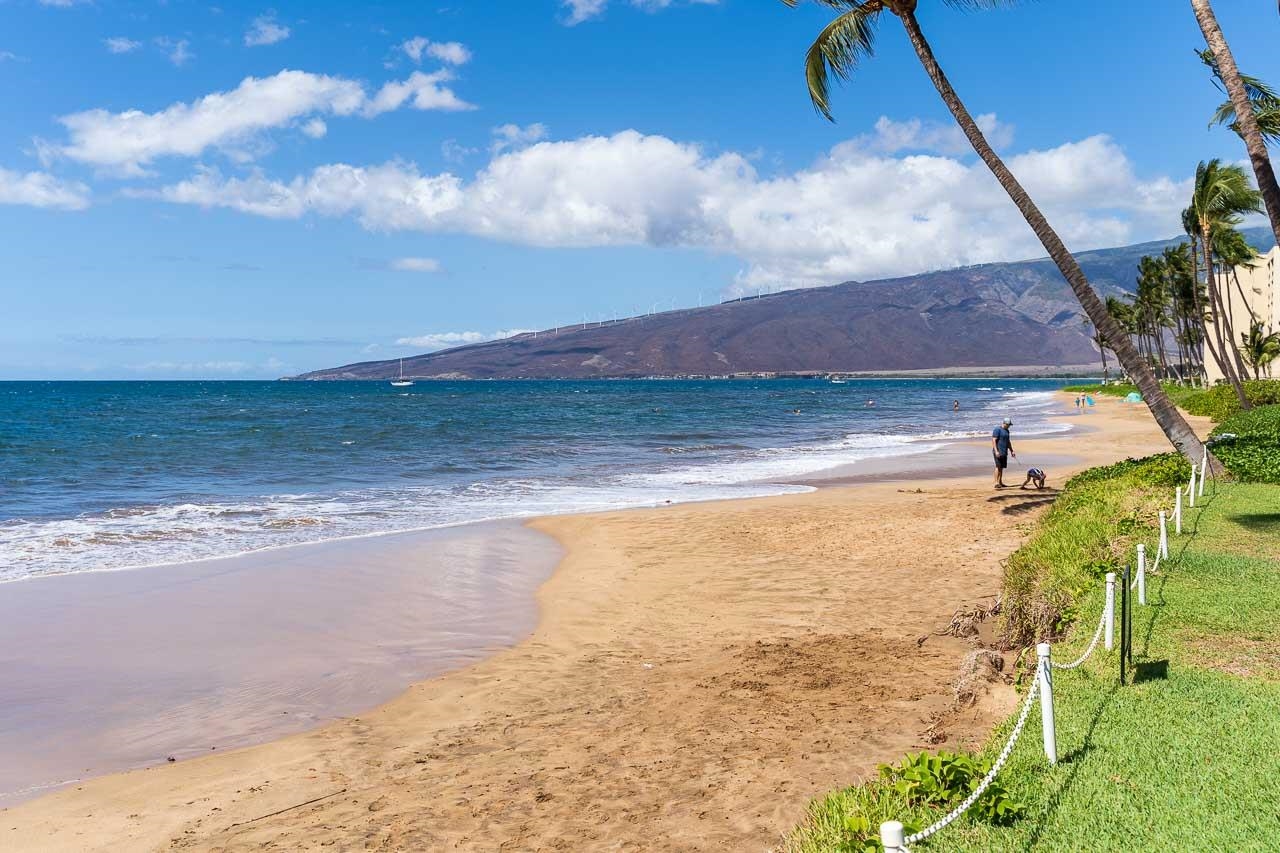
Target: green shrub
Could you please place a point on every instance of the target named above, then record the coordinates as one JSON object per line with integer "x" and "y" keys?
{"x": 1220, "y": 402}
{"x": 1248, "y": 444}
{"x": 1084, "y": 535}
{"x": 943, "y": 780}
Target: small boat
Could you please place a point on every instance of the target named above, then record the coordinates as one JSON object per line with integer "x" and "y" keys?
{"x": 401, "y": 382}
{"x": 837, "y": 381}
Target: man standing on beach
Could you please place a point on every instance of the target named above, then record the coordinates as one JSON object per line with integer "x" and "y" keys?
{"x": 1001, "y": 447}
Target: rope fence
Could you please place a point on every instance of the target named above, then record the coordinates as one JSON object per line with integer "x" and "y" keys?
{"x": 892, "y": 833}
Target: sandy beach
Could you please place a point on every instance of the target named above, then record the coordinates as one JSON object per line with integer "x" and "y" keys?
{"x": 697, "y": 674}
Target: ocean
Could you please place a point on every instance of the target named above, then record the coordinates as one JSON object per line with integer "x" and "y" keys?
{"x": 98, "y": 476}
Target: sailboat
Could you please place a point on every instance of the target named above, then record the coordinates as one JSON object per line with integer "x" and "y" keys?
{"x": 401, "y": 382}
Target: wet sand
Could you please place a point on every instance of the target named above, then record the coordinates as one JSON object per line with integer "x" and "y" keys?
{"x": 109, "y": 671}
{"x": 697, "y": 674}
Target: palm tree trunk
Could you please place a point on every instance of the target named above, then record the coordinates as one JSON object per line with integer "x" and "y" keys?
{"x": 1245, "y": 117}
{"x": 1175, "y": 427}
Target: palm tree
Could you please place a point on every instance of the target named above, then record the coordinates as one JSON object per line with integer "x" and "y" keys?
{"x": 1220, "y": 198}
{"x": 1183, "y": 291}
{"x": 1102, "y": 348}
{"x": 848, "y": 39}
{"x": 1264, "y": 100}
{"x": 1227, "y": 71}
{"x": 1259, "y": 348}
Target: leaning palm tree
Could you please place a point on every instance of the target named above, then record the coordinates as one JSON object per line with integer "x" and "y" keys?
{"x": 1259, "y": 348}
{"x": 848, "y": 39}
{"x": 1219, "y": 200}
{"x": 1225, "y": 65}
{"x": 1263, "y": 100}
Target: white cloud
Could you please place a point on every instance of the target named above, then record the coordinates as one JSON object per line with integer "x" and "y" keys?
{"x": 424, "y": 90}
{"x": 232, "y": 121}
{"x": 450, "y": 52}
{"x": 416, "y": 265}
{"x": 265, "y": 30}
{"x": 120, "y": 44}
{"x": 455, "y": 152}
{"x": 445, "y": 340}
{"x": 40, "y": 189}
{"x": 8, "y": 56}
{"x": 514, "y": 136}
{"x": 853, "y": 213}
{"x": 178, "y": 50}
{"x": 585, "y": 10}
{"x": 315, "y": 128}
{"x": 916, "y": 134}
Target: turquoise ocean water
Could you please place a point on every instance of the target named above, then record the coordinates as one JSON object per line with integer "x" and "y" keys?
{"x": 113, "y": 475}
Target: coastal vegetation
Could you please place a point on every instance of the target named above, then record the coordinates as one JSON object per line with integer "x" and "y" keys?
{"x": 1148, "y": 765}
{"x": 1219, "y": 402}
{"x": 849, "y": 39}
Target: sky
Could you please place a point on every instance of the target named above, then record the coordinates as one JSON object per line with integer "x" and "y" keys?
{"x": 251, "y": 191}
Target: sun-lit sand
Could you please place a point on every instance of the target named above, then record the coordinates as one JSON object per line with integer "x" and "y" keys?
{"x": 697, "y": 674}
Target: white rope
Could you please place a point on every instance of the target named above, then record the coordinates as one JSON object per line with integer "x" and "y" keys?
{"x": 1092, "y": 645}
{"x": 990, "y": 777}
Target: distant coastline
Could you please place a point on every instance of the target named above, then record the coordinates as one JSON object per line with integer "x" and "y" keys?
{"x": 1062, "y": 371}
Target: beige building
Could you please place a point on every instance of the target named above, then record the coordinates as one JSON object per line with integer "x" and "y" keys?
{"x": 1258, "y": 296}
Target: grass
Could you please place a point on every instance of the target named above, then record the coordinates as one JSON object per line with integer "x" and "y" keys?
{"x": 1184, "y": 759}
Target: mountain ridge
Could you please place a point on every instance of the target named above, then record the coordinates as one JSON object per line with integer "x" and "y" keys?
{"x": 980, "y": 316}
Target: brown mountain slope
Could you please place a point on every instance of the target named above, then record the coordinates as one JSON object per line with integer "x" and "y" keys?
{"x": 992, "y": 315}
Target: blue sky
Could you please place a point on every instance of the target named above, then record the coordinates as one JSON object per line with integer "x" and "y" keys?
{"x": 247, "y": 190}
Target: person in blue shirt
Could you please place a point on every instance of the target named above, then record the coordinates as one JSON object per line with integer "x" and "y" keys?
{"x": 1001, "y": 447}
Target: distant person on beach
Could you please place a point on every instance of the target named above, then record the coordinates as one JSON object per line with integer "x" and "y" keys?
{"x": 1001, "y": 447}
{"x": 1035, "y": 475}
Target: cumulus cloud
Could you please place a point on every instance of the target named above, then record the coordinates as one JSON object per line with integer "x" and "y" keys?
{"x": 120, "y": 44}
{"x": 853, "y": 213}
{"x": 451, "y": 52}
{"x": 585, "y": 10}
{"x": 445, "y": 340}
{"x": 416, "y": 265}
{"x": 232, "y": 121}
{"x": 514, "y": 136}
{"x": 265, "y": 30}
{"x": 40, "y": 189}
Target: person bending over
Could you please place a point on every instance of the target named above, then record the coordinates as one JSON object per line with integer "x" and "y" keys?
{"x": 1035, "y": 475}
{"x": 1001, "y": 447}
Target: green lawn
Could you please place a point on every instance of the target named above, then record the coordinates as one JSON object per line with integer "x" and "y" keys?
{"x": 1187, "y": 758}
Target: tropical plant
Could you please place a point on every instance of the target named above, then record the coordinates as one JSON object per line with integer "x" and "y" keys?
{"x": 1220, "y": 198}
{"x": 1262, "y": 98}
{"x": 1259, "y": 348}
{"x": 1225, "y": 69}
{"x": 943, "y": 779}
{"x": 848, "y": 39}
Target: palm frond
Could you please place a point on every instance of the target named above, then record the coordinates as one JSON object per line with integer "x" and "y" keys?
{"x": 838, "y": 49}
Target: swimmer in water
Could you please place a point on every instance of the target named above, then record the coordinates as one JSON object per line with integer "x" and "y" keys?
{"x": 955, "y": 405}
{"x": 871, "y": 403}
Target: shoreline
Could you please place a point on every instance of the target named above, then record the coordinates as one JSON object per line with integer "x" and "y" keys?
{"x": 562, "y": 600}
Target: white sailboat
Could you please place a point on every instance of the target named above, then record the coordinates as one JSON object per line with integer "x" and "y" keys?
{"x": 401, "y": 382}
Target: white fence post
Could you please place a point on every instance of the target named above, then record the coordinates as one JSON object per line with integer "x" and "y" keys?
{"x": 1177, "y": 511}
{"x": 1204, "y": 466}
{"x": 1191, "y": 489}
{"x": 892, "y": 836}
{"x": 1110, "y": 611}
{"x": 1045, "y": 676}
{"x": 1163, "y": 551}
{"x": 1142, "y": 573}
